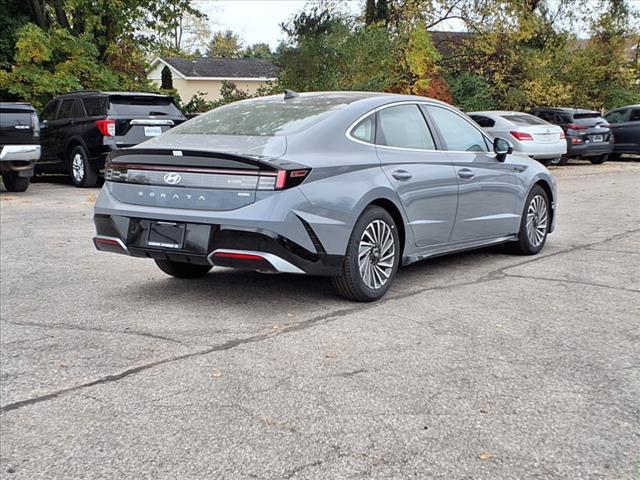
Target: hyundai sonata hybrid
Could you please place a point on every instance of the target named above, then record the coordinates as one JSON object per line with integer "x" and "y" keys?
{"x": 348, "y": 185}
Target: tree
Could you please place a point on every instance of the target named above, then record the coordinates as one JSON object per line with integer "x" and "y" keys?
{"x": 167, "y": 79}
{"x": 13, "y": 15}
{"x": 224, "y": 45}
{"x": 370, "y": 12}
{"x": 258, "y": 50}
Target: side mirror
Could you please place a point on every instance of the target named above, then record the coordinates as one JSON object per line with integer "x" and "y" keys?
{"x": 501, "y": 148}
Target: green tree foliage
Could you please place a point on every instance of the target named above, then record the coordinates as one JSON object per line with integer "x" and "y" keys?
{"x": 13, "y": 15}
{"x": 225, "y": 45}
{"x": 75, "y": 44}
{"x": 258, "y": 50}
{"x": 471, "y": 92}
{"x": 166, "y": 79}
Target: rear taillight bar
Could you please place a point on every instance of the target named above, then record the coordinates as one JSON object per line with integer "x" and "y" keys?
{"x": 522, "y": 136}
{"x": 574, "y": 126}
{"x": 106, "y": 127}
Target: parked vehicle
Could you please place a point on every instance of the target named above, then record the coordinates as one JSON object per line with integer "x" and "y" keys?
{"x": 80, "y": 128}
{"x": 625, "y": 124}
{"x": 588, "y": 135}
{"x": 343, "y": 184}
{"x": 529, "y": 135}
{"x": 19, "y": 144}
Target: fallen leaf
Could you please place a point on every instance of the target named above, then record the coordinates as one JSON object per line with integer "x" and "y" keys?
{"x": 91, "y": 198}
{"x": 216, "y": 374}
{"x": 485, "y": 456}
{"x": 332, "y": 355}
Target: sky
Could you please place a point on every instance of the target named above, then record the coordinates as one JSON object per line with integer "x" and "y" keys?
{"x": 256, "y": 21}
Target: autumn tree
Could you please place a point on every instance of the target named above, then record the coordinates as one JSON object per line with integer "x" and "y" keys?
{"x": 224, "y": 44}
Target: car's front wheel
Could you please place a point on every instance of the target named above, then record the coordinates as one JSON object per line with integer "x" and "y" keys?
{"x": 80, "y": 168}
{"x": 15, "y": 183}
{"x": 535, "y": 223}
{"x": 372, "y": 258}
{"x": 182, "y": 269}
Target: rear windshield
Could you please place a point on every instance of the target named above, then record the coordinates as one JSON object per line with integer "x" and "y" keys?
{"x": 524, "y": 119}
{"x": 588, "y": 119}
{"x": 262, "y": 118}
{"x": 142, "y": 105}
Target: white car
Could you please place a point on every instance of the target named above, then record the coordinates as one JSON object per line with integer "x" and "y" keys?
{"x": 529, "y": 135}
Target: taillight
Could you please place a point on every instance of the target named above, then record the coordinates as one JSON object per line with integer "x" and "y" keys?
{"x": 106, "y": 127}
{"x": 522, "y": 136}
{"x": 35, "y": 125}
{"x": 282, "y": 179}
{"x": 562, "y": 135}
{"x": 574, "y": 126}
{"x": 576, "y": 140}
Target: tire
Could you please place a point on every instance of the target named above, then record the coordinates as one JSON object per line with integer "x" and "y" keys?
{"x": 182, "y": 270}
{"x": 563, "y": 160}
{"x": 599, "y": 160}
{"x": 82, "y": 172}
{"x": 615, "y": 157}
{"x": 351, "y": 283}
{"x": 14, "y": 183}
{"x": 554, "y": 162}
{"x": 536, "y": 209}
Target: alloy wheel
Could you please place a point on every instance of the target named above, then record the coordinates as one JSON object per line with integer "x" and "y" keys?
{"x": 376, "y": 254}
{"x": 77, "y": 168}
{"x": 537, "y": 220}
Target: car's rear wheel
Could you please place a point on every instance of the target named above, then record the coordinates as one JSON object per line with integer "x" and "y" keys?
{"x": 535, "y": 223}
{"x": 80, "y": 168}
{"x": 600, "y": 159}
{"x": 182, "y": 269}
{"x": 14, "y": 183}
{"x": 563, "y": 160}
{"x": 372, "y": 258}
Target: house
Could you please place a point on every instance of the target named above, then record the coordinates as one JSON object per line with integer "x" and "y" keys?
{"x": 203, "y": 74}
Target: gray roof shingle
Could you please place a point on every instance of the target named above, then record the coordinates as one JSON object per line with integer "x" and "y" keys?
{"x": 223, "y": 67}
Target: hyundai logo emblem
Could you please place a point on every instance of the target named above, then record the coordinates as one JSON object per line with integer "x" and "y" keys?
{"x": 172, "y": 178}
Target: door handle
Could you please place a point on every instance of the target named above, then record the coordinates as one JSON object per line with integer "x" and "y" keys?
{"x": 466, "y": 173}
{"x": 401, "y": 175}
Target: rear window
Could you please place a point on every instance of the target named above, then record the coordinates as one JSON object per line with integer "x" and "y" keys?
{"x": 262, "y": 118}
{"x": 588, "y": 119}
{"x": 524, "y": 119}
{"x": 142, "y": 105}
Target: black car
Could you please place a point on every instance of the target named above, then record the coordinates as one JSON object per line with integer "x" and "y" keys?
{"x": 588, "y": 134}
{"x": 80, "y": 128}
{"x": 19, "y": 144}
{"x": 625, "y": 123}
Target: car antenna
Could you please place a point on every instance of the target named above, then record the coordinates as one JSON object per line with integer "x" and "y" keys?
{"x": 290, "y": 94}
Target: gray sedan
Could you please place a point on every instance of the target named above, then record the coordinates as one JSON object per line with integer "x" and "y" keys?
{"x": 348, "y": 185}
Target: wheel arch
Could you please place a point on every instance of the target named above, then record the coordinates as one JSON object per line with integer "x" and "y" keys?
{"x": 544, "y": 184}
{"x": 393, "y": 210}
{"x": 71, "y": 143}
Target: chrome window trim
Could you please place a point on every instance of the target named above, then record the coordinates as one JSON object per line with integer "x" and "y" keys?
{"x": 413, "y": 102}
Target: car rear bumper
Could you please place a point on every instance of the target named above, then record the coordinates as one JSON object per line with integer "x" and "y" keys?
{"x": 590, "y": 150}
{"x": 272, "y": 228}
{"x": 218, "y": 245}
{"x": 541, "y": 151}
{"x": 22, "y": 153}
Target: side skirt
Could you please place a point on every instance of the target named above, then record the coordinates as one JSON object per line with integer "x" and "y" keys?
{"x": 446, "y": 249}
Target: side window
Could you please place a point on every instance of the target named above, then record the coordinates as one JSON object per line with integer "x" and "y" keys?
{"x": 458, "y": 133}
{"x": 94, "y": 106}
{"x": 66, "y": 109}
{"x": 365, "y": 130}
{"x": 78, "y": 110}
{"x": 617, "y": 116}
{"x": 483, "y": 121}
{"x": 49, "y": 111}
{"x": 404, "y": 126}
{"x": 563, "y": 118}
{"x": 635, "y": 115}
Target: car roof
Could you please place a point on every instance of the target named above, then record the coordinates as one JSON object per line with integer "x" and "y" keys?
{"x": 98, "y": 92}
{"x": 566, "y": 110}
{"x": 18, "y": 105}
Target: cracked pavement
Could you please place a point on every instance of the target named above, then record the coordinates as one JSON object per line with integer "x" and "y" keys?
{"x": 479, "y": 365}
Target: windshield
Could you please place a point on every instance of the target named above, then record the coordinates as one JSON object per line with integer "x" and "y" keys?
{"x": 259, "y": 118}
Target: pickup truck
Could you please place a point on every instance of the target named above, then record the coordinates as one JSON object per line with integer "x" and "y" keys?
{"x": 19, "y": 144}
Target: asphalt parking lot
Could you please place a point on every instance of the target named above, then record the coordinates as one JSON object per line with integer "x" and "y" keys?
{"x": 480, "y": 365}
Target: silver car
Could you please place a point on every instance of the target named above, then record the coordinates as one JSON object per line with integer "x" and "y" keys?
{"x": 348, "y": 185}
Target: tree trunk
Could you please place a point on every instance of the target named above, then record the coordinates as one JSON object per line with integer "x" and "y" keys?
{"x": 61, "y": 15}
{"x": 38, "y": 14}
{"x": 370, "y": 12}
